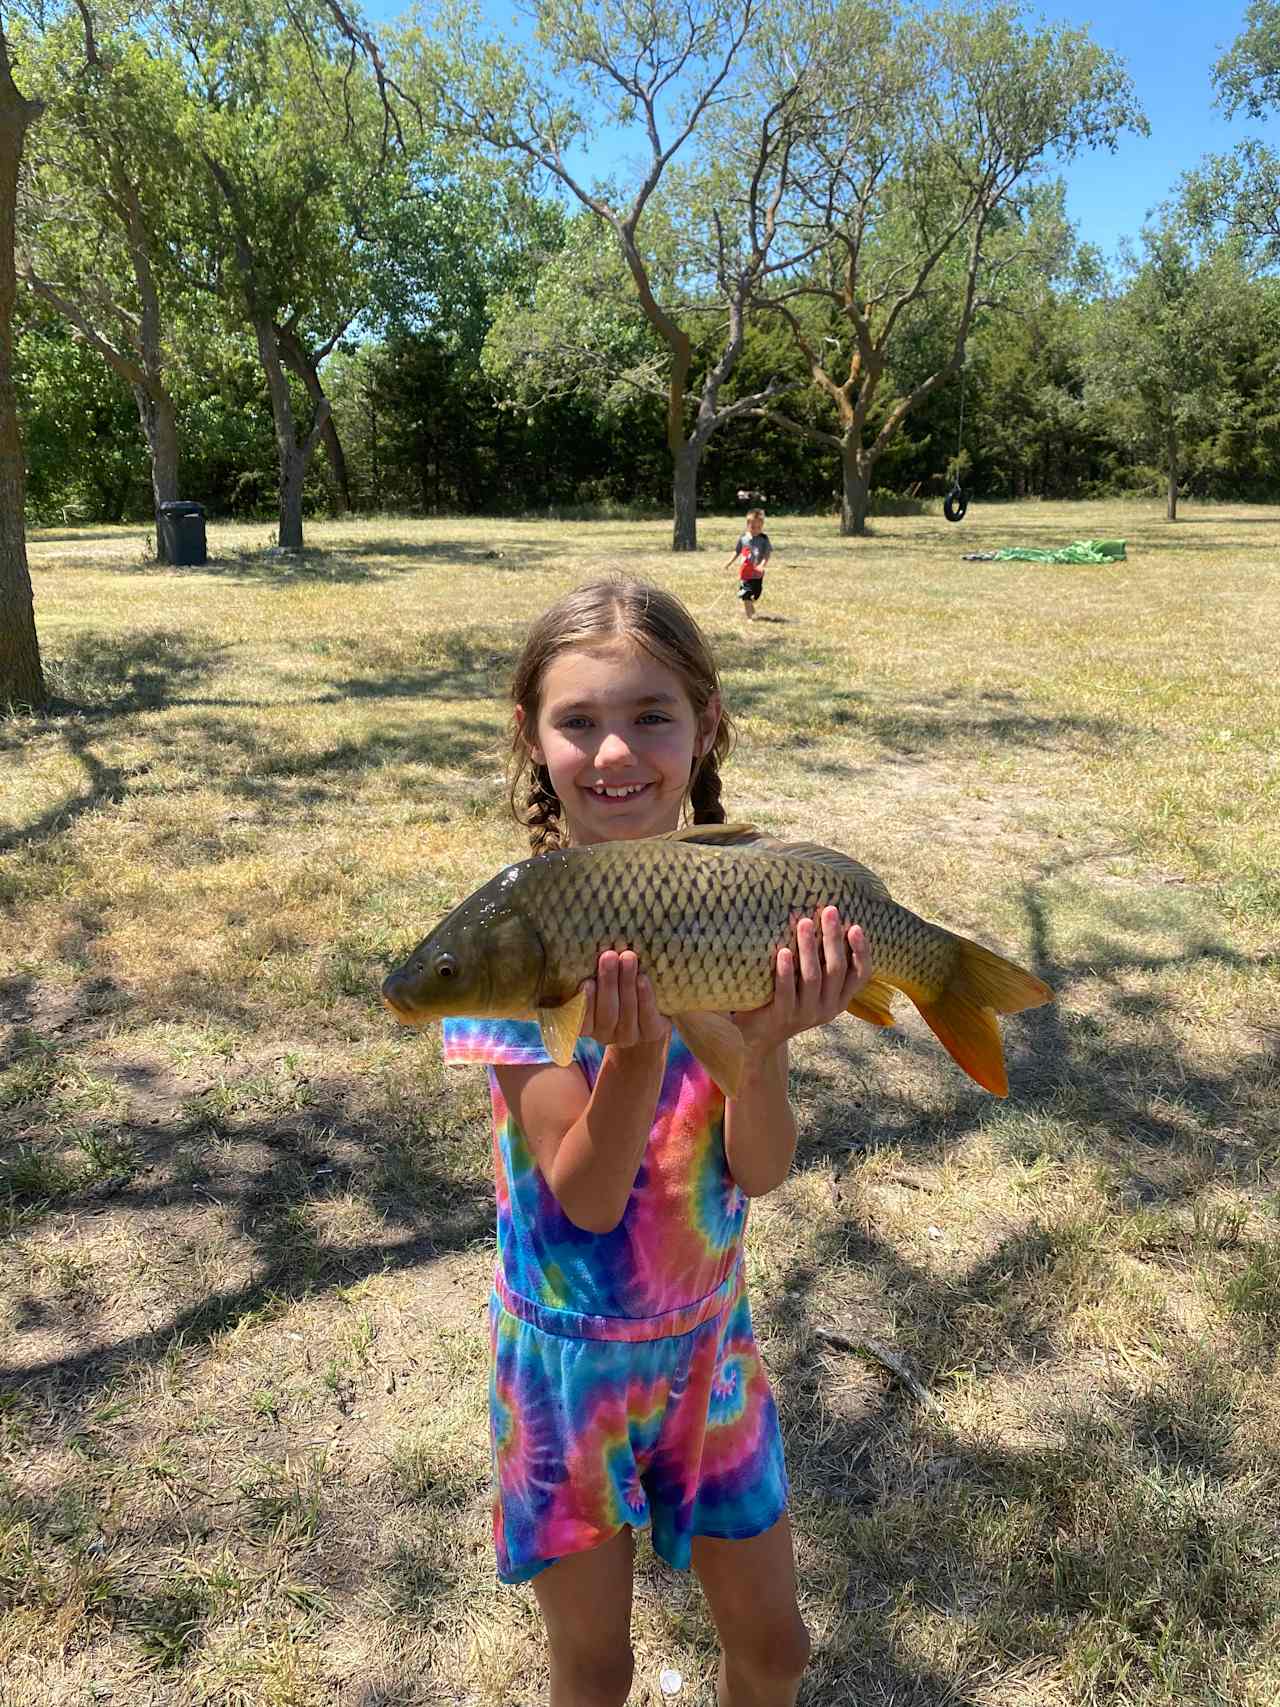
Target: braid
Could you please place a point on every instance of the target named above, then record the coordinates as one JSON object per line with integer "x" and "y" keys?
{"x": 704, "y": 794}
{"x": 542, "y": 811}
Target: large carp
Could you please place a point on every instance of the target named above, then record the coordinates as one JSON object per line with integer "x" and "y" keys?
{"x": 705, "y": 909}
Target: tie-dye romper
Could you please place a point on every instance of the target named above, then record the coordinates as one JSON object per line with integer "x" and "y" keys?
{"x": 626, "y": 1385}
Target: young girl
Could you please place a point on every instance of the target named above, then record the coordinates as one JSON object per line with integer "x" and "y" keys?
{"x": 627, "y": 1389}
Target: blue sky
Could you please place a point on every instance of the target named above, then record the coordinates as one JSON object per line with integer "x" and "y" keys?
{"x": 1169, "y": 48}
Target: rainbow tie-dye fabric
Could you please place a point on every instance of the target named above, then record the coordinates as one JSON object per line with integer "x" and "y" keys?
{"x": 626, "y": 1383}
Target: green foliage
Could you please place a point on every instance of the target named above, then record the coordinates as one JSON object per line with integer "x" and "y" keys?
{"x": 1161, "y": 352}
{"x": 86, "y": 461}
{"x": 1248, "y": 75}
{"x": 582, "y": 333}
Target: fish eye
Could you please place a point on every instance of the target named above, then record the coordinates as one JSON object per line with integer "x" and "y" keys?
{"x": 446, "y": 966}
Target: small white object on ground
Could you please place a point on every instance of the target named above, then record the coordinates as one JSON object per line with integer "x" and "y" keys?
{"x": 670, "y": 1682}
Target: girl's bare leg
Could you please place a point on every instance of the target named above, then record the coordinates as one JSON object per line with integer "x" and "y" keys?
{"x": 751, "y": 1589}
{"x": 586, "y": 1607}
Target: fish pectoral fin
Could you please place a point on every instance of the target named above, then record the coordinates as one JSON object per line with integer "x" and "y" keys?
{"x": 873, "y": 1003}
{"x": 561, "y": 1027}
{"x": 718, "y": 1044}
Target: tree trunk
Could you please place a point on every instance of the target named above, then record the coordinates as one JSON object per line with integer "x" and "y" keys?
{"x": 684, "y": 494}
{"x": 293, "y": 457}
{"x": 1171, "y": 500}
{"x": 300, "y": 360}
{"x": 159, "y": 420}
{"x": 21, "y": 676}
{"x": 293, "y": 471}
{"x": 855, "y": 497}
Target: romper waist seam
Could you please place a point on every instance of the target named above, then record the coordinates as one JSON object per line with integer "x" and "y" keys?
{"x": 576, "y": 1324}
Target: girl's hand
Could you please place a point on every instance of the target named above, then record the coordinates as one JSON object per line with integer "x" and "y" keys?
{"x": 810, "y": 988}
{"x": 621, "y": 1010}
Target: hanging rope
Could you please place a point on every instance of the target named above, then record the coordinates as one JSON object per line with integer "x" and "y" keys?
{"x": 956, "y": 501}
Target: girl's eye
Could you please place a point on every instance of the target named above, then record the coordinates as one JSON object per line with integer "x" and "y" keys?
{"x": 446, "y": 966}
{"x": 654, "y": 717}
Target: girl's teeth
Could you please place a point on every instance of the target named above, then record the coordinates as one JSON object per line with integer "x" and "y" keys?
{"x": 618, "y": 793}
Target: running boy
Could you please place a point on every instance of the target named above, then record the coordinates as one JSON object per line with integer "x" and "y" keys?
{"x": 754, "y": 550}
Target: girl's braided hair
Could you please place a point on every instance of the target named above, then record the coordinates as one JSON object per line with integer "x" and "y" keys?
{"x": 615, "y": 608}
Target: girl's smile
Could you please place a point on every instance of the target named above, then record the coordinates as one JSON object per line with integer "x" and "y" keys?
{"x": 620, "y": 737}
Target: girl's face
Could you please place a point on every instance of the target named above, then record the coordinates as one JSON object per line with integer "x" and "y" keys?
{"x": 619, "y": 735}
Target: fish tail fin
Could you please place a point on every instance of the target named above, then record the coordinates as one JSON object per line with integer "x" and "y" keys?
{"x": 963, "y": 1016}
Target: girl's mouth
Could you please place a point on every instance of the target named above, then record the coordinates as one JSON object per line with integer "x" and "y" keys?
{"x": 625, "y": 791}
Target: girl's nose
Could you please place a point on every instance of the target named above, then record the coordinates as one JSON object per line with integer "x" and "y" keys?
{"x": 613, "y": 749}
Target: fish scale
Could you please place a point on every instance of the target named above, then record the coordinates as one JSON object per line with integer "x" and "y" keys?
{"x": 705, "y": 911}
{"x": 706, "y": 930}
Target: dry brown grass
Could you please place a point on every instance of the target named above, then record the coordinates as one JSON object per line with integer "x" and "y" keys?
{"x": 246, "y": 1222}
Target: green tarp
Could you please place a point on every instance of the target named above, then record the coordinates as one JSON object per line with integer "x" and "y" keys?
{"x": 1080, "y": 551}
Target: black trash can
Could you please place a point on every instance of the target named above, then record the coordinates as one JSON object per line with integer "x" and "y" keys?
{"x": 181, "y": 526}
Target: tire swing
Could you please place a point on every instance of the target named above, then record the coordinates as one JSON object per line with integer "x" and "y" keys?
{"x": 956, "y": 501}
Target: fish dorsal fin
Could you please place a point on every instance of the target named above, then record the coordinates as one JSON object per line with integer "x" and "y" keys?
{"x": 861, "y": 874}
{"x": 748, "y": 838}
{"x": 716, "y": 835}
{"x": 561, "y": 1028}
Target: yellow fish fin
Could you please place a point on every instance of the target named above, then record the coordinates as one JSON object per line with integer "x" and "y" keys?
{"x": 561, "y": 1028}
{"x": 873, "y": 1003}
{"x": 862, "y": 875}
{"x": 718, "y": 1044}
{"x": 721, "y": 835}
{"x": 963, "y": 1017}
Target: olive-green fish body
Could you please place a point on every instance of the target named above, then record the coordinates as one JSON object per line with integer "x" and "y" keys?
{"x": 705, "y": 910}
{"x": 706, "y": 922}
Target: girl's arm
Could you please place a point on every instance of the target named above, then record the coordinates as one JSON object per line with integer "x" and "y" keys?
{"x": 589, "y": 1143}
{"x": 810, "y": 989}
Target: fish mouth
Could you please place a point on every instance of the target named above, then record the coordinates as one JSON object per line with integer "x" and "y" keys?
{"x": 396, "y": 993}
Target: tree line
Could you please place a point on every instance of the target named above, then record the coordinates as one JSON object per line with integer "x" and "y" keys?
{"x": 256, "y": 253}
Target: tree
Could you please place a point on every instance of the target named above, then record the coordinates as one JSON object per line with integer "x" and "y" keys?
{"x": 914, "y": 188}
{"x": 84, "y": 457}
{"x": 102, "y": 197}
{"x": 1161, "y": 347}
{"x": 291, "y": 122}
{"x": 580, "y": 332}
{"x": 1239, "y": 193}
{"x": 659, "y": 71}
{"x": 21, "y": 676}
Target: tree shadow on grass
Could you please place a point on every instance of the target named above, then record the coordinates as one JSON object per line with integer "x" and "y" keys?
{"x": 278, "y": 1169}
{"x": 940, "y": 723}
{"x": 100, "y": 681}
{"x": 1140, "y": 1484}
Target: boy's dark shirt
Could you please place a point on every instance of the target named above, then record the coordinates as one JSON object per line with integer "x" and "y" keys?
{"x": 755, "y": 551}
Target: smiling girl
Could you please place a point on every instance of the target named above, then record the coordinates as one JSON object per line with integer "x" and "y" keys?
{"x": 627, "y": 1390}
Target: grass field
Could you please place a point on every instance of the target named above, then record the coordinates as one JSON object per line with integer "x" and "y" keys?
{"x": 246, "y": 1220}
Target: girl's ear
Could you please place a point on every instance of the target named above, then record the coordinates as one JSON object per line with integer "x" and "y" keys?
{"x": 535, "y": 751}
